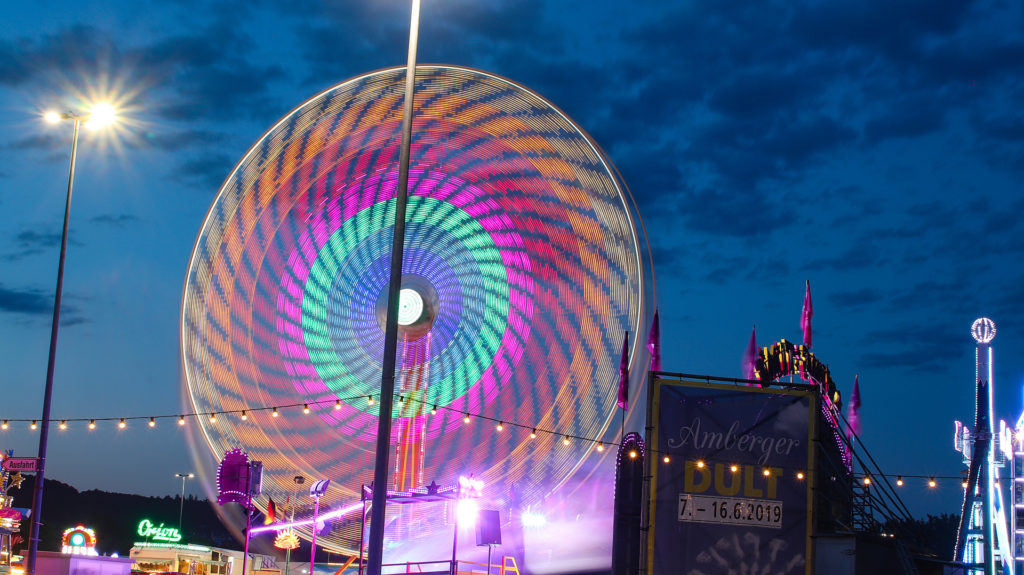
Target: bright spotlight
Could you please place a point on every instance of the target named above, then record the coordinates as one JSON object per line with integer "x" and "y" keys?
{"x": 467, "y": 512}
{"x": 51, "y": 117}
{"x": 531, "y": 519}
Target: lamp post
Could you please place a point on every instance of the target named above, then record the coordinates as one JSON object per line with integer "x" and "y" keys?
{"x": 181, "y": 508}
{"x": 101, "y": 115}
{"x": 387, "y": 384}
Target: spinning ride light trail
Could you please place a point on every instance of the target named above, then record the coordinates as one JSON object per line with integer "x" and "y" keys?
{"x": 521, "y": 271}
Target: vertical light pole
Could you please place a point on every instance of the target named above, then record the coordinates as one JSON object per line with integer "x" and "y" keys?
{"x": 387, "y": 384}
{"x": 181, "y": 508}
{"x": 100, "y": 115}
{"x": 299, "y": 480}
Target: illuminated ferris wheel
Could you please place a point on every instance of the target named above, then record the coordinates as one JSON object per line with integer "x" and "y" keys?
{"x": 522, "y": 270}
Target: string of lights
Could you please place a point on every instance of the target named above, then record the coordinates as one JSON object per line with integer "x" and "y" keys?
{"x": 500, "y": 425}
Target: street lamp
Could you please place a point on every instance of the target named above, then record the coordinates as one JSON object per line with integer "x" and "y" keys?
{"x": 181, "y": 508}
{"x": 387, "y": 384}
{"x": 101, "y": 115}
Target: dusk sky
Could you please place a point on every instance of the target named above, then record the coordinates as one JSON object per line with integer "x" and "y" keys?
{"x": 873, "y": 148}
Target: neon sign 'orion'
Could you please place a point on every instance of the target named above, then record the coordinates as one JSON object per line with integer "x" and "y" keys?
{"x": 158, "y": 532}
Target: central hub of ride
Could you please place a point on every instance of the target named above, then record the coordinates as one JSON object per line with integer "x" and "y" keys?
{"x": 410, "y": 306}
{"x": 418, "y": 304}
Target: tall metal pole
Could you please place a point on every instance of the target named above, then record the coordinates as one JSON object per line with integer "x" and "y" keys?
{"x": 37, "y": 490}
{"x": 387, "y": 384}
{"x": 181, "y": 507}
{"x": 312, "y": 541}
{"x": 248, "y": 516}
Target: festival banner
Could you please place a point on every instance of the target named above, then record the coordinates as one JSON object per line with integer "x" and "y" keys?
{"x": 733, "y": 496}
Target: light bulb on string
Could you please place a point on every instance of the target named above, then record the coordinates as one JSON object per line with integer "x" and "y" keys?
{"x": 274, "y": 413}
{"x": 700, "y": 464}
{"x": 152, "y": 422}
{"x": 500, "y": 426}
{"x": 4, "y": 425}
{"x": 369, "y": 400}
{"x": 533, "y": 434}
{"x": 734, "y": 468}
{"x": 181, "y": 420}
{"x": 244, "y": 415}
{"x": 433, "y": 411}
{"x": 337, "y": 404}
{"x": 465, "y": 419}
{"x": 899, "y": 481}
{"x": 665, "y": 459}
{"x": 931, "y": 482}
{"x": 565, "y": 440}
{"x": 800, "y": 475}
{"x": 92, "y": 424}
{"x": 34, "y": 426}
{"x": 121, "y": 424}
{"x": 600, "y": 446}
{"x": 63, "y": 424}
{"x": 305, "y": 408}
{"x": 213, "y": 418}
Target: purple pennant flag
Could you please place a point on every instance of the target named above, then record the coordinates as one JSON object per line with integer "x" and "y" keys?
{"x": 623, "y": 401}
{"x": 805, "y": 316}
{"x": 750, "y": 355}
{"x": 654, "y": 343}
{"x": 853, "y": 409}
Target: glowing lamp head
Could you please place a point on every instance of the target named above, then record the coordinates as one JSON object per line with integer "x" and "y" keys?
{"x": 410, "y": 306}
{"x": 983, "y": 330}
{"x": 51, "y": 117}
{"x": 102, "y": 114}
{"x": 531, "y": 519}
{"x": 467, "y": 511}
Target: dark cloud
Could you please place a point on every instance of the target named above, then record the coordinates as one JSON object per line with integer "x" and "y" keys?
{"x": 895, "y": 29}
{"x": 919, "y": 347}
{"x": 1008, "y": 127}
{"x": 172, "y": 141}
{"x": 204, "y": 73}
{"x": 30, "y": 302}
{"x": 37, "y": 304}
{"x": 855, "y": 298}
{"x": 907, "y": 119}
{"x": 206, "y": 172}
{"x": 114, "y": 220}
{"x": 32, "y": 242}
{"x": 859, "y": 256}
{"x": 762, "y": 93}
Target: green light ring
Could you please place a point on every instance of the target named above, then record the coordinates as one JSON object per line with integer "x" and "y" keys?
{"x": 329, "y": 366}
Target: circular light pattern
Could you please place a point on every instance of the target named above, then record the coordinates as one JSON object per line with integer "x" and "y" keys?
{"x": 521, "y": 272}
{"x": 983, "y": 330}
{"x": 410, "y": 306}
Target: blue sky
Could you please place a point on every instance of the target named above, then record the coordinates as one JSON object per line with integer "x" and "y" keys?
{"x": 875, "y": 149}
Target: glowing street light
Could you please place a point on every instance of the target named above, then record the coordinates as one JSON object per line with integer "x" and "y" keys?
{"x": 181, "y": 507}
{"x": 390, "y": 356}
{"x": 101, "y": 115}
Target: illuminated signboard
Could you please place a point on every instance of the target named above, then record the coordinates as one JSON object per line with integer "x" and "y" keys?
{"x": 158, "y": 532}
{"x": 728, "y": 488}
{"x": 79, "y": 540}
